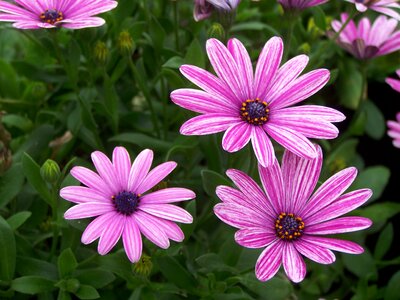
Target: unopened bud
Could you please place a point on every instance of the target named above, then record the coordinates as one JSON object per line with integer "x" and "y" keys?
{"x": 101, "y": 52}
{"x": 50, "y": 171}
{"x": 125, "y": 43}
{"x": 216, "y": 31}
{"x": 143, "y": 266}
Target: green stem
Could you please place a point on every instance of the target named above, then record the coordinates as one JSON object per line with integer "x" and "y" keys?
{"x": 176, "y": 24}
{"x": 364, "y": 86}
{"x": 146, "y": 94}
{"x": 56, "y": 229}
{"x": 289, "y": 36}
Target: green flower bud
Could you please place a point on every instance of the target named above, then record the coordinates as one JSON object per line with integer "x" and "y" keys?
{"x": 126, "y": 45}
{"x": 305, "y": 48}
{"x": 143, "y": 266}
{"x": 50, "y": 171}
{"x": 101, "y": 52}
{"x": 216, "y": 31}
{"x": 72, "y": 285}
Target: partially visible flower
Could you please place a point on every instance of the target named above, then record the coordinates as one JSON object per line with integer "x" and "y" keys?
{"x": 287, "y": 220}
{"x": 101, "y": 52}
{"x": 204, "y": 8}
{"x": 73, "y": 14}
{"x": 118, "y": 196}
{"x": 256, "y": 105}
{"x": 125, "y": 43}
{"x": 381, "y": 6}
{"x": 394, "y": 83}
{"x": 300, "y": 4}
{"x": 365, "y": 40}
{"x": 394, "y": 130}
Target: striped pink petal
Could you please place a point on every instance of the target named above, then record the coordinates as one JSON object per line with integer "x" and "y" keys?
{"x": 81, "y": 194}
{"x": 236, "y": 137}
{"x": 293, "y": 263}
{"x": 314, "y": 252}
{"x": 334, "y": 244}
{"x": 155, "y": 176}
{"x": 132, "y": 240}
{"x": 167, "y": 211}
{"x": 269, "y": 261}
{"x": 88, "y": 210}
{"x": 256, "y": 237}
{"x": 139, "y": 170}
{"x": 262, "y": 146}
{"x": 168, "y": 195}
{"x": 339, "y": 225}
{"x": 110, "y": 235}
{"x": 209, "y": 123}
{"x": 96, "y": 227}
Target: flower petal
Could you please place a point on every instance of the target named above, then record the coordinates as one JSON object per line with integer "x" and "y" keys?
{"x": 110, "y": 235}
{"x": 271, "y": 179}
{"x": 105, "y": 169}
{"x": 132, "y": 240}
{"x": 341, "y": 206}
{"x": 150, "y": 229}
{"x": 312, "y": 111}
{"x": 293, "y": 263}
{"x": 96, "y": 227}
{"x": 269, "y": 261}
{"x": 267, "y": 65}
{"x": 300, "y": 177}
{"x": 209, "y": 123}
{"x": 314, "y": 252}
{"x": 334, "y": 244}
{"x": 155, "y": 176}
{"x": 255, "y": 237}
{"x": 239, "y": 216}
{"x": 81, "y": 194}
{"x": 172, "y": 230}
{"x": 339, "y": 225}
{"x": 87, "y": 210}
{"x": 329, "y": 191}
{"x": 139, "y": 170}
{"x": 167, "y": 195}
{"x": 291, "y": 140}
{"x": 167, "y": 211}
{"x": 236, "y": 137}
{"x": 262, "y": 146}
{"x": 91, "y": 180}
{"x": 122, "y": 166}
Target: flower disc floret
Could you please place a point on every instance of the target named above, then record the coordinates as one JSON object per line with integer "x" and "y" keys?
{"x": 289, "y": 227}
{"x": 126, "y": 202}
{"x": 254, "y": 111}
{"x": 51, "y": 16}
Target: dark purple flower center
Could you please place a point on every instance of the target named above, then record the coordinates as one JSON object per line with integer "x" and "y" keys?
{"x": 255, "y": 111}
{"x": 126, "y": 202}
{"x": 289, "y": 227}
{"x": 51, "y": 16}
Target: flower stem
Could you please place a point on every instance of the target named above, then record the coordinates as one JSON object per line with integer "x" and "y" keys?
{"x": 176, "y": 24}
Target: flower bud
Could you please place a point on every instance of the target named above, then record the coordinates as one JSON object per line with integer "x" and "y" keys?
{"x": 143, "y": 266}
{"x": 101, "y": 52}
{"x": 126, "y": 45}
{"x": 216, "y": 31}
{"x": 50, "y": 171}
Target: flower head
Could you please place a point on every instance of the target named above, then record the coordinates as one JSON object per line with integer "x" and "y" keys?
{"x": 74, "y": 14}
{"x": 300, "y": 4}
{"x": 394, "y": 130}
{"x": 255, "y": 106}
{"x": 394, "y": 83}
{"x": 287, "y": 220}
{"x": 204, "y": 8}
{"x": 365, "y": 40}
{"x": 119, "y": 199}
{"x": 381, "y": 6}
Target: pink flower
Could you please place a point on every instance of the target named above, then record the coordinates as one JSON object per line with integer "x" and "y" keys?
{"x": 204, "y": 8}
{"x": 287, "y": 220}
{"x": 365, "y": 41}
{"x": 381, "y": 6}
{"x": 300, "y": 4}
{"x": 394, "y": 130}
{"x": 118, "y": 197}
{"x": 394, "y": 83}
{"x": 255, "y": 106}
{"x": 74, "y": 14}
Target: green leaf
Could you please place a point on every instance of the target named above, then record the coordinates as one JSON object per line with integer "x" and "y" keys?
{"x": 142, "y": 140}
{"x": 375, "y": 178}
{"x": 362, "y": 265}
{"x": 392, "y": 289}
{"x": 375, "y": 126}
{"x": 66, "y": 263}
{"x": 95, "y": 277}
{"x": 32, "y": 173}
{"x": 87, "y": 292}
{"x": 175, "y": 273}
{"x": 32, "y": 285}
{"x": 380, "y": 212}
{"x": 319, "y": 17}
{"x": 384, "y": 241}
{"x": 349, "y": 84}
{"x": 7, "y": 251}
{"x": 73, "y": 56}
{"x": 195, "y": 54}
{"x": 9, "y": 86}
{"x": 32, "y": 266}
{"x": 20, "y": 122}
{"x": 274, "y": 289}
{"x": 174, "y": 62}
{"x": 212, "y": 262}
{"x": 211, "y": 180}
{"x": 18, "y": 219}
{"x": 10, "y": 184}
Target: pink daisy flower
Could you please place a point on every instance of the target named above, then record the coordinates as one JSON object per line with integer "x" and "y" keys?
{"x": 119, "y": 199}
{"x": 381, "y": 6}
{"x": 287, "y": 220}
{"x": 256, "y": 106}
{"x": 367, "y": 41}
{"x": 204, "y": 8}
{"x": 74, "y": 14}
{"x": 394, "y": 130}
{"x": 394, "y": 83}
{"x": 300, "y": 4}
